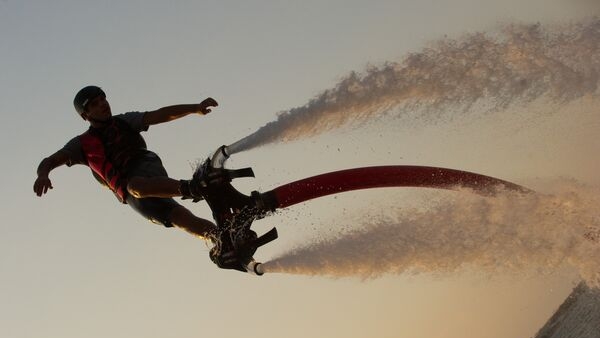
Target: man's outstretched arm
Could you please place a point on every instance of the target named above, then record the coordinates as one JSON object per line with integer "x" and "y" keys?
{"x": 43, "y": 183}
{"x": 171, "y": 113}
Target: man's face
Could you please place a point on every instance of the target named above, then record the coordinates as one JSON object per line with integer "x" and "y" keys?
{"x": 98, "y": 109}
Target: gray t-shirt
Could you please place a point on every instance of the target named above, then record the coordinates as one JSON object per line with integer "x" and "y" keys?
{"x": 73, "y": 148}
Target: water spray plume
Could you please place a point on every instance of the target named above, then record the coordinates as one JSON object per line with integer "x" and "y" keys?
{"x": 517, "y": 64}
{"x": 504, "y": 234}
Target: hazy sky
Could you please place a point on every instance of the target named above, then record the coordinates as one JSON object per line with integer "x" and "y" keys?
{"x": 76, "y": 263}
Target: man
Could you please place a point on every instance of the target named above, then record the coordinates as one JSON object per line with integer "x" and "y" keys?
{"x": 116, "y": 153}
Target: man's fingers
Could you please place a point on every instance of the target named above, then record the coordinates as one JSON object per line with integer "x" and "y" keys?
{"x": 42, "y": 187}
{"x": 37, "y": 188}
{"x": 211, "y": 102}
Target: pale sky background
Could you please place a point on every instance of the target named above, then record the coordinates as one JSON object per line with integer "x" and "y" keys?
{"x": 77, "y": 264}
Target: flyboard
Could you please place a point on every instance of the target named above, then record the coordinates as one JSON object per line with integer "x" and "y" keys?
{"x": 234, "y": 211}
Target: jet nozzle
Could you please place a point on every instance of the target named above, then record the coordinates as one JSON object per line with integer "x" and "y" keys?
{"x": 255, "y": 268}
{"x": 219, "y": 157}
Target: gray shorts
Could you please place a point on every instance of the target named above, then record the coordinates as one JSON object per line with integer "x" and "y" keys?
{"x": 157, "y": 210}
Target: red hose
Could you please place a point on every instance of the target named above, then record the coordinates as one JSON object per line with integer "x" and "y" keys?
{"x": 384, "y": 176}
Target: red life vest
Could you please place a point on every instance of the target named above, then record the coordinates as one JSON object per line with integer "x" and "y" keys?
{"x": 109, "y": 150}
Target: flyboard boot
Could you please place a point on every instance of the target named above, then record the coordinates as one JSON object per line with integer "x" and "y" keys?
{"x": 233, "y": 212}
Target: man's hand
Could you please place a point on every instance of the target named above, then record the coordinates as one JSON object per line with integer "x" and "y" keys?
{"x": 204, "y": 105}
{"x": 41, "y": 185}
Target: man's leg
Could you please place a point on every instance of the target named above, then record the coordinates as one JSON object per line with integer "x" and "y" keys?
{"x": 184, "y": 219}
{"x": 146, "y": 189}
{"x": 159, "y": 186}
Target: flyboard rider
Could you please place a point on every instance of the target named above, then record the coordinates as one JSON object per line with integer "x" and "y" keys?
{"x": 116, "y": 153}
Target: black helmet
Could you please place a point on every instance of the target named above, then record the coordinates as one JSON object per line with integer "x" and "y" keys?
{"x": 84, "y": 96}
